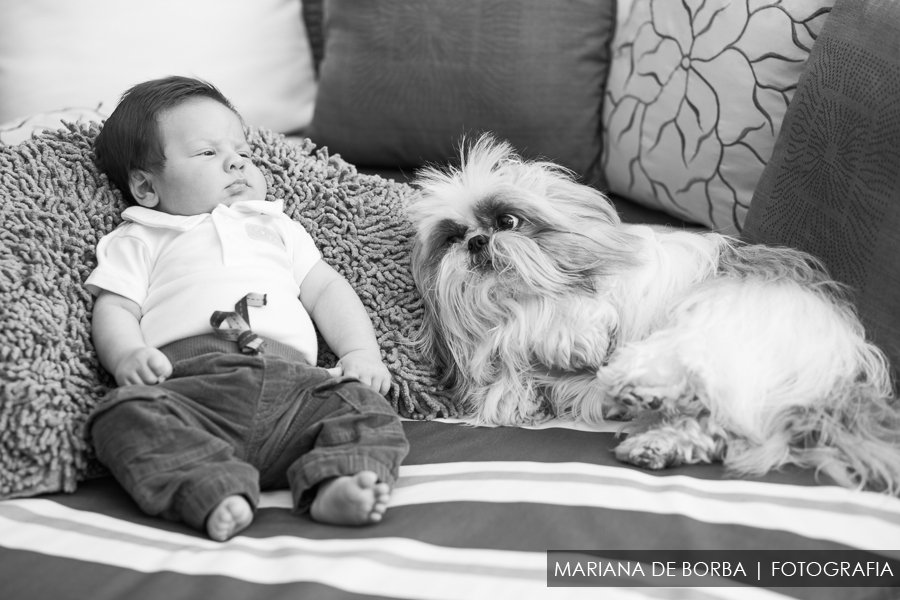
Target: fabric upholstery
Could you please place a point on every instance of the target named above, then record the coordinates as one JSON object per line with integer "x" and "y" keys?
{"x": 401, "y": 81}
{"x": 832, "y": 187}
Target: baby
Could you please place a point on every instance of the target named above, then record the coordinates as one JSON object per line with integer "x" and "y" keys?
{"x": 206, "y": 299}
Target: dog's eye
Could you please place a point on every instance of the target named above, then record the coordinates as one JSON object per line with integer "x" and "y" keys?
{"x": 507, "y": 221}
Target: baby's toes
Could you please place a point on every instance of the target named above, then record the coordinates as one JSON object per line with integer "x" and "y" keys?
{"x": 367, "y": 480}
{"x": 382, "y": 492}
{"x": 377, "y": 512}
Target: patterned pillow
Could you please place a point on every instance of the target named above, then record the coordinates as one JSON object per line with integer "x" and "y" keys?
{"x": 55, "y": 206}
{"x": 832, "y": 187}
{"x": 401, "y": 81}
{"x": 696, "y": 95}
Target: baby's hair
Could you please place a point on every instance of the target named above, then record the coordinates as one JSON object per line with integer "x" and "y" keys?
{"x": 130, "y": 138}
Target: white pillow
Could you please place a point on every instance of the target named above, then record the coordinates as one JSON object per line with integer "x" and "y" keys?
{"x": 19, "y": 130}
{"x": 56, "y": 54}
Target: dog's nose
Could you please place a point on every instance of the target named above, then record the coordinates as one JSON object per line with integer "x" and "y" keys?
{"x": 477, "y": 243}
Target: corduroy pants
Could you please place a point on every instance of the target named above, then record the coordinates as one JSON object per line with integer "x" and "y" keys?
{"x": 229, "y": 423}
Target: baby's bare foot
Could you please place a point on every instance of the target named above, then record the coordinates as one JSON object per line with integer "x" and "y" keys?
{"x": 351, "y": 500}
{"x": 232, "y": 515}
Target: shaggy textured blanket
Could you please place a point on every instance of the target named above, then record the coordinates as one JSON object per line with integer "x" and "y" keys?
{"x": 55, "y": 206}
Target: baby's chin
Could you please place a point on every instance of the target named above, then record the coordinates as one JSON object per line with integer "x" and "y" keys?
{"x": 243, "y": 195}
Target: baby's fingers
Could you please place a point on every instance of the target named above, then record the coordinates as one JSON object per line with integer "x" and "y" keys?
{"x": 380, "y": 382}
{"x": 139, "y": 375}
{"x": 160, "y": 366}
{"x": 147, "y": 375}
{"x": 382, "y": 385}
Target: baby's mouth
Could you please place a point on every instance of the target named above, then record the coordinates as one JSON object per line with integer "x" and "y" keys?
{"x": 237, "y": 185}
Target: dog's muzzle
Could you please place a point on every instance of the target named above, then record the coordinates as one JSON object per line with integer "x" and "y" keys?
{"x": 479, "y": 251}
{"x": 478, "y": 243}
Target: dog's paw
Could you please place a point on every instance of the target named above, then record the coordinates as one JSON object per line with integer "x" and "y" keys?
{"x": 635, "y": 397}
{"x": 665, "y": 388}
{"x": 649, "y": 450}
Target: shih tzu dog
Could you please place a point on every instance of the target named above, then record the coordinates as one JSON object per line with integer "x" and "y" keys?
{"x": 540, "y": 302}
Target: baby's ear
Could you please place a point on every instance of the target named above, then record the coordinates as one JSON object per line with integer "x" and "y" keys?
{"x": 142, "y": 189}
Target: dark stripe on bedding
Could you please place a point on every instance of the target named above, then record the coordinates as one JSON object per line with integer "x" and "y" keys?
{"x": 53, "y": 578}
{"x": 432, "y": 443}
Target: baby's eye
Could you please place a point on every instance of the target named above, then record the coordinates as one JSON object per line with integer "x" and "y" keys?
{"x": 207, "y": 153}
{"x": 507, "y": 221}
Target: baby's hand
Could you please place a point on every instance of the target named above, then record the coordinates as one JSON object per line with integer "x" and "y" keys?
{"x": 368, "y": 368}
{"x": 143, "y": 366}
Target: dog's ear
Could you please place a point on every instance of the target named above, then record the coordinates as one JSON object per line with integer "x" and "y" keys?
{"x": 435, "y": 346}
{"x": 430, "y": 339}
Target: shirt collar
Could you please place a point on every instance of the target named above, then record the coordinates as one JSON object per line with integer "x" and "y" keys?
{"x": 157, "y": 218}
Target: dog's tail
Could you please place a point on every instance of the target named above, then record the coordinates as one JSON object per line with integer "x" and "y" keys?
{"x": 858, "y": 442}
{"x": 854, "y": 440}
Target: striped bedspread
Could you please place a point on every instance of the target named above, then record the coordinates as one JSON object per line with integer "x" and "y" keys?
{"x": 472, "y": 518}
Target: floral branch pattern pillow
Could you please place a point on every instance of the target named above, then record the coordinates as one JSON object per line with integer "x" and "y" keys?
{"x": 696, "y": 95}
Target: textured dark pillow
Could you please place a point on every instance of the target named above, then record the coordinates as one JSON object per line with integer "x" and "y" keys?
{"x": 832, "y": 187}
{"x": 55, "y": 206}
{"x": 312, "y": 18}
{"x": 402, "y": 80}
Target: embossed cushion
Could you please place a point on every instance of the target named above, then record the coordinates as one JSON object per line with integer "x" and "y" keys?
{"x": 402, "y": 80}
{"x": 832, "y": 187}
{"x": 695, "y": 99}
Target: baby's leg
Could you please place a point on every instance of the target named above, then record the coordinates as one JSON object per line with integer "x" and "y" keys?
{"x": 351, "y": 500}
{"x": 231, "y": 516}
{"x": 346, "y": 455}
{"x": 162, "y": 453}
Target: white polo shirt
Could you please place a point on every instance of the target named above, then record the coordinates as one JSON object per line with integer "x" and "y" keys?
{"x": 181, "y": 269}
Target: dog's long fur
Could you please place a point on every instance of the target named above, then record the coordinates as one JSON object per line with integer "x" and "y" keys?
{"x": 540, "y": 301}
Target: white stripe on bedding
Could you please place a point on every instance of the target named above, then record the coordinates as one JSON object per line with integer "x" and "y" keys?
{"x": 392, "y": 567}
{"x": 863, "y": 520}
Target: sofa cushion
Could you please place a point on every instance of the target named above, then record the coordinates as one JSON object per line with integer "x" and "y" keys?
{"x": 695, "y": 99}
{"x": 56, "y": 54}
{"x": 832, "y": 187}
{"x": 55, "y": 206}
{"x": 402, "y": 80}
{"x": 629, "y": 212}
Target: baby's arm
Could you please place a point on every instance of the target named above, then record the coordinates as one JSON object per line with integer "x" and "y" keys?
{"x": 120, "y": 344}
{"x": 345, "y": 325}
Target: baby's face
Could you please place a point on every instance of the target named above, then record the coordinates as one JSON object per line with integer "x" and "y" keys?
{"x": 207, "y": 160}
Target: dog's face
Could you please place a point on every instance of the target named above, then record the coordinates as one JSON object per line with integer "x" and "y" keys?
{"x": 499, "y": 232}
{"x": 523, "y": 228}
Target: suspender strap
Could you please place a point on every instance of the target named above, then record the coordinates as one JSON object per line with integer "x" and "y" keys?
{"x": 235, "y": 326}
